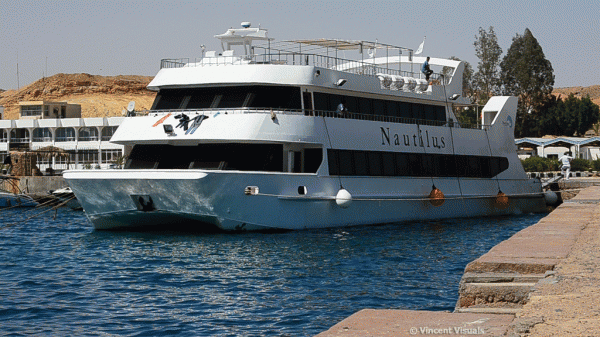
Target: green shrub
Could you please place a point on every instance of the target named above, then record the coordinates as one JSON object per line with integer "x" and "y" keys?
{"x": 553, "y": 164}
{"x": 596, "y": 165}
{"x": 537, "y": 164}
{"x": 579, "y": 164}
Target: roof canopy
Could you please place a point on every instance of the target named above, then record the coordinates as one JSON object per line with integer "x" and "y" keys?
{"x": 558, "y": 142}
{"x": 49, "y": 152}
{"x": 347, "y": 44}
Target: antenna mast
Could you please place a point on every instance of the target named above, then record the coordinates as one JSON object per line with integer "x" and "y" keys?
{"x": 18, "y": 85}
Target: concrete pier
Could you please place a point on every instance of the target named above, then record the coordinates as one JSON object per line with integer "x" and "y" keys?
{"x": 543, "y": 281}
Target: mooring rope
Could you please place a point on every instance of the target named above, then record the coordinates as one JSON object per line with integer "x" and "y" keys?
{"x": 18, "y": 204}
{"x": 452, "y": 138}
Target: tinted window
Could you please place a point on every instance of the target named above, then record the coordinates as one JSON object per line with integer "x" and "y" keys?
{"x": 346, "y": 163}
{"x": 276, "y": 97}
{"x": 377, "y": 163}
{"x": 418, "y": 111}
{"x": 352, "y": 104}
{"x": 392, "y": 109}
{"x": 365, "y": 106}
{"x": 405, "y": 110}
{"x": 244, "y": 157}
{"x": 361, "y": 163}
{"x": 368, "y": 106}
{"x": 389, "y": 165}
{"x": 201, "y": 98}
{"x": 231, "y": 97}
{"x": 440, "y": 113}
{"x": 169, "y": 99}
{"x": 321, "y": 101}
{"x": 429, "y": 112}
{"x": 312, "y": 160}
{"x": 379, "y": 107}
{"x": 334, "y": 101}
{"x": 402, "y": 168}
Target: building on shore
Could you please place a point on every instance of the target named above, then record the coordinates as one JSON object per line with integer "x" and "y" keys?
{"x": 59, "y": 124}
{"x": 554, "y": 147}
{"x": 48, "y": 110}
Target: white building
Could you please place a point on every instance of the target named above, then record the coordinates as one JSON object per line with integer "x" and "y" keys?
{"x": 85, "y": 139}
{"x": 585, "y": 148}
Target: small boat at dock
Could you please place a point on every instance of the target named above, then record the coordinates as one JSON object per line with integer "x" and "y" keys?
{"x": 67, "y": 198}
{"x": 8, "y": 199}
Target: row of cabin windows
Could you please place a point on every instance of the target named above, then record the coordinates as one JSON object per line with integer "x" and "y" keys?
{"x": 230, "y": 156}
{"x": 368, "y": 106}
{"x": 289, "y": 98}
{"x": 377, "y": 163}
{"x": 229, "y": 97}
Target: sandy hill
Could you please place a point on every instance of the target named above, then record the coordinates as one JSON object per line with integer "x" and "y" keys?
{"x": 99, "y": 96}
{"x": 593, "y": 91}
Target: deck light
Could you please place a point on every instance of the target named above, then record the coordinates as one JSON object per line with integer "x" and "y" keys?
{"x": 341, "y": 82}
{"x": 454, "y": 97}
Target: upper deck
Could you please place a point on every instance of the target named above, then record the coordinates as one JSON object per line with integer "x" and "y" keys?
{"x": 367, "y": 66}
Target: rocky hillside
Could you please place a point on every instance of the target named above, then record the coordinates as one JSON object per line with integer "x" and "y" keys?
{"x": 99, "y": 96}
{"x": 593, "y": 91}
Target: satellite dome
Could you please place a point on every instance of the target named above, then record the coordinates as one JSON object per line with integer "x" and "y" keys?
{"x": 246, "y": 24}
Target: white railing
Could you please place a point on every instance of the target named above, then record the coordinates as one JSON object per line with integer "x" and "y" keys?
{"x": 42, "y": 139}
{"x": 295, "y": 58}
{"x": 89, "y": 139}
{"x": 316, "y": 113}
{"x": 65, "y": 139}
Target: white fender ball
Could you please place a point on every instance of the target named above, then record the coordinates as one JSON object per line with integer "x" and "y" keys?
{"x": 343, "y": 198}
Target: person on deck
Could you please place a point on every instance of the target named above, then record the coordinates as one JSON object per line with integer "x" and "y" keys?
{"x": 341, "y": 108}
{"x": 566, "y": 164}
{"x": 426, "y": 70}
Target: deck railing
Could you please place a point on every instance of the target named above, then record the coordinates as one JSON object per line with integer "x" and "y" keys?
{"x": 360, "y": 67}
{"x": 316, "y": 113}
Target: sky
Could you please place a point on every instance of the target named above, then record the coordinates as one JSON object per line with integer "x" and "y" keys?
{"x": 109, "y": 37}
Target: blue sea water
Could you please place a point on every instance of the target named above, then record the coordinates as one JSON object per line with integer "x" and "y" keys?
{"x": 60, "y": 277}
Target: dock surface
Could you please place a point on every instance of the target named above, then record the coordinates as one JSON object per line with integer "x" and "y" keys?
{"x": 543, "y": 281}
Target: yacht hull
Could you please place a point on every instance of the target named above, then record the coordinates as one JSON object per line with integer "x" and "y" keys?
{"x": 206, "y": 200}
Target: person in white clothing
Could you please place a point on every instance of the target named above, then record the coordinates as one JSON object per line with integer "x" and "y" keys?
{"x": 565, "y": 160}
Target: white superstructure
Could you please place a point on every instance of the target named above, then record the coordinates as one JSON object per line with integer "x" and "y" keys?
{"x": 296, "y": 134}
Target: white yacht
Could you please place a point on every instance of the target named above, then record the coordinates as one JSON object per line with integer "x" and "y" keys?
{"x": 254, "y": 138}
